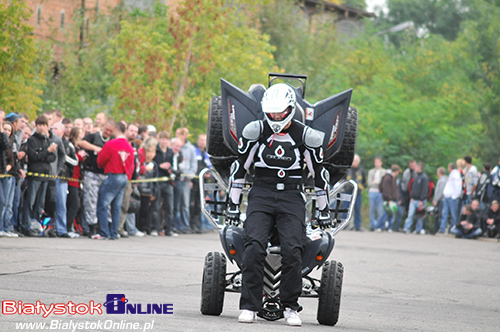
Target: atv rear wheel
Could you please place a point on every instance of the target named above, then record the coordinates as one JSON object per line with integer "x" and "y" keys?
{"x": 215, "y": 137}
{"x": 213, "y": 284}
{"x": 339, "y": 164}
{"x": 330, "y": 293}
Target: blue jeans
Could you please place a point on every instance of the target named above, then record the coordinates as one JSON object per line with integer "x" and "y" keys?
{"x": 61, "y": 199}
{"x": 471, "y": 235}
{"x": 391, "y": 219}
{"x": 130, "y": 224}
{"x": 357, "y": 211}
{"x": 376, "y": 204}
{"x": 411, "y": 212}
{"x": 15, "y": 205}
{"x": 7, "y": 185}
{"x": 182, "y": 195}
{"x": 449, "y": 206}
{"x": 397, "y": 222}
{"x": 110, "y": 194}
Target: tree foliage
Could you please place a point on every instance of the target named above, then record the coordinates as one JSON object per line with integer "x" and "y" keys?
{"x": 420, "y": 98}
{"x": 434, "y": 98}
{"x": 80, "y": 79}
{"x": 21, "y": 66}
{"x": 167, "y": 66}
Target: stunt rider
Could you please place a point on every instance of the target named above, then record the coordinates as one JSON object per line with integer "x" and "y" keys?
{"x": 278, "y": 147}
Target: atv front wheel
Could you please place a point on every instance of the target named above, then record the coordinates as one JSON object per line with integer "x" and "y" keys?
{"x": 213, "y": 284}
{"x": 330, "y": 292}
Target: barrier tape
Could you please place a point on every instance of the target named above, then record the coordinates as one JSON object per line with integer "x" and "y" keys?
{"x": 159, "y": 179}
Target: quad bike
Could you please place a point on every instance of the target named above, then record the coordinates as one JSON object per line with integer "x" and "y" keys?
{"x": 228, "y": 115}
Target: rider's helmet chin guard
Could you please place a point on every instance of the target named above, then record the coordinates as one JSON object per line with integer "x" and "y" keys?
{"x": 279, "y": 98}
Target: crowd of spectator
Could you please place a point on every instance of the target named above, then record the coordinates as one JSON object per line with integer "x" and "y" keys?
{"x": 63, "y": 177}
{"x": 463, "y": 202}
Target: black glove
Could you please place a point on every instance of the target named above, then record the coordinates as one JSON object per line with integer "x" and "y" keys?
{"x": 233, "y": 215}
{"x": 324, "y": 218}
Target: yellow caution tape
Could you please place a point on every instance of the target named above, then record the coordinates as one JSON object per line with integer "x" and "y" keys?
{"x": 159, "y": 179}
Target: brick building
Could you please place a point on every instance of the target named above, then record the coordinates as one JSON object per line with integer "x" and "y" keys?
{"x": 52, "y": 18}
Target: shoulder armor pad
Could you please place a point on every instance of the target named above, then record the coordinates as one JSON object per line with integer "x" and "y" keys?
{"x": 313, "y": 138}
{"x": 253, "y": 130}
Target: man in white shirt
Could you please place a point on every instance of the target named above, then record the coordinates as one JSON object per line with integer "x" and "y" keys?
{"x": 451, "y": 193}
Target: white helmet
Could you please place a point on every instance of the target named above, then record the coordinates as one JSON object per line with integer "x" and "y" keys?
{"x": 279, "y": 98}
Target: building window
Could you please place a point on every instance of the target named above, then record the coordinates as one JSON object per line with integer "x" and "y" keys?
{"x": 38, "y": 16}
{"x": 63, "y": 19}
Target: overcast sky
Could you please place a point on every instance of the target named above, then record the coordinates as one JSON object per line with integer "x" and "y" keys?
{"x": 371, "y": 4}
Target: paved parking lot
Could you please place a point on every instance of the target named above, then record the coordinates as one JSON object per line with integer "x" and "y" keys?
{"x": 392, "y": 282}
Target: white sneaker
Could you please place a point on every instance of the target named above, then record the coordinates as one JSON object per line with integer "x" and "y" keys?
{"x": 247, "y": 316}
{"x": 292, "y": 317}
{"x": 154, "y": 233}
{"x": 139, "y": 234}
{"x": 4, "y": 234}
{"x": 389, "y": 230}
{"x": 379, "y": 230}
{"x": 422, "y": 232}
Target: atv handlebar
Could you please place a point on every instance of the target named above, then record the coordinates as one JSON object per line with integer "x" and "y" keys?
{"x": 301, "y": 78}
{"x": 344, "y": 195}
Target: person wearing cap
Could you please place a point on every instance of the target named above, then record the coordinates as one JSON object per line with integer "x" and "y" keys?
{"x": 152, "y": 131}
{"x": 14, "y": 118}
{"x": 278, "y": 147}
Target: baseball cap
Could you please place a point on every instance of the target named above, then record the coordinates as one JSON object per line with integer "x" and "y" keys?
{"x": 151, "y": 129}
{"x": 11, "y": 117}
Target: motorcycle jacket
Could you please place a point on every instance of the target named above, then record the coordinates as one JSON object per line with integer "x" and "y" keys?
{"x": 279, "y": 159}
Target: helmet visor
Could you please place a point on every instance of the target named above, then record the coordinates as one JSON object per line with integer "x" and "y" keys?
{"x": 279, "y": 116}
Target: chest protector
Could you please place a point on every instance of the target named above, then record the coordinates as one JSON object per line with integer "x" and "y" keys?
{"x": 280, "y": 151}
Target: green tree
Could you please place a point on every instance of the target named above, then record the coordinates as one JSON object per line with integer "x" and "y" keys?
{"x": 21, "y": 61}
{"x": 80, "y": 79}
{"x": 441, "y": 17}
{"x": 172, "y": 76}
{"x": 481, "y": 38}
{"x": 416, "y": 101}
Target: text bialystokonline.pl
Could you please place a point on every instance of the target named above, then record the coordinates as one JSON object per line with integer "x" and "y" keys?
{"x": 110, "y": 325}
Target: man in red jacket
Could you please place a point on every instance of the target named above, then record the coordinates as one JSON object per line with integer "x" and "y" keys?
{"x": 117, "y": 160}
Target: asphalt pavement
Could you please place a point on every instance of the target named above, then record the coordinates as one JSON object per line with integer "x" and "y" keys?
{"x": 392, "y": 282}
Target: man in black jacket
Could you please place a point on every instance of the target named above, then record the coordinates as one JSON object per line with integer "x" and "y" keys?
{"x": 164, "y": 204}
{"x": 419, "y": 192}
{"x": 40, "y": 154}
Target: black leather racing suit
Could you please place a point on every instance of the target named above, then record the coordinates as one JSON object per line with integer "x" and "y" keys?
{"x": 276, "y": 199}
